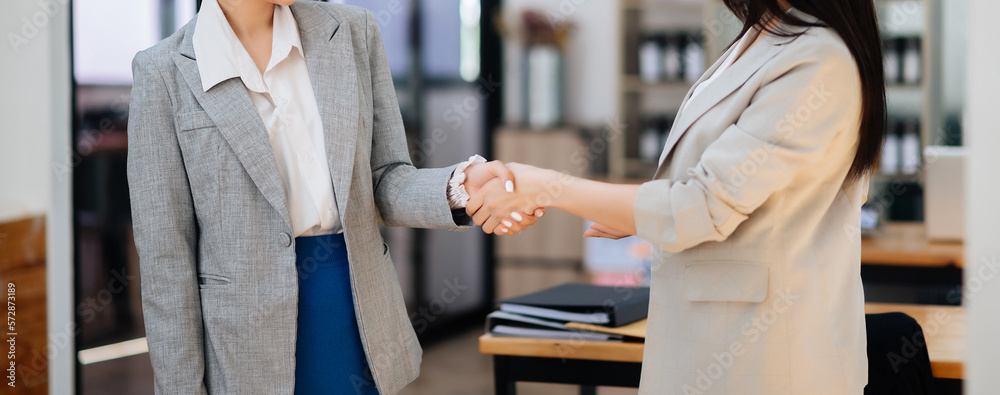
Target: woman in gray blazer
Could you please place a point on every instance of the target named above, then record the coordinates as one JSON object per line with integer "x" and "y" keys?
{"x": 265, "y": 148}
{"x": 754, "y": 210}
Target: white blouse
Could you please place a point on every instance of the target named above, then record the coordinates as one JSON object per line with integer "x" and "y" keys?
{"x": 750, "y": 38}
{"x": 285, "y": 101}
{"x": 284, "y": 98}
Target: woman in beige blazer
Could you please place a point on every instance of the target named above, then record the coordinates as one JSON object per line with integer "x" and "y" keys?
{"x": 754, "y": 210}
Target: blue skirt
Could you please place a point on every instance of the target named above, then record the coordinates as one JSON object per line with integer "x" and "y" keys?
{"x": 329, "y": 358}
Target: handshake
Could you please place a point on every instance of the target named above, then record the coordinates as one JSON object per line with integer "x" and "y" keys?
{"x": 506, "y": 199}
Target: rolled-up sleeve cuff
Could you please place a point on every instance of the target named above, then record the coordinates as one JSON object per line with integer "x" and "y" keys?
{"x": 652, "y": 208}
{"x": 676, "y": 216}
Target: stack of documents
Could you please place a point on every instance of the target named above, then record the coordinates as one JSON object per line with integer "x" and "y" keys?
{"x": 575, "y": 312}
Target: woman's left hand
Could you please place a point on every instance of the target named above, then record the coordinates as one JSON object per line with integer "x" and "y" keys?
{"x": 598, "y": 230}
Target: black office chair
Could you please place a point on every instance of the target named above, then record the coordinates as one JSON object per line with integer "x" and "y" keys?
{"x": 898, "y": 362}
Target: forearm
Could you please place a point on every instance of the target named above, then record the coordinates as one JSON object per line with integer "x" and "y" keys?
{"x": 417, "y": 198}
{"x": 604, "y": 203}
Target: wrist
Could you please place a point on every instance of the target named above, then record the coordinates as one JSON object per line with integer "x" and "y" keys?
{"x": 544, "y": 187}
{"x": 458, "y": 196}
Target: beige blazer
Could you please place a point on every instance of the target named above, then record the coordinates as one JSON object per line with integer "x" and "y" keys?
{"x": 217, "y": 259}
{"x": 756, "y": 285}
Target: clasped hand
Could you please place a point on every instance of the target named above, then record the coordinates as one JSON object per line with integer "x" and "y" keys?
{"x": 508, "y": 198}
{"x": 500, "y": 199}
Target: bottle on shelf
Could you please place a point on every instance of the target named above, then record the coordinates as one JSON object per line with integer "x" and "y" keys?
{"x": 649, "y": 141}
{"x": 651, "y": 58}
{"x": 672, "y": 64}
{"x": 910, "y": 147}
{"x": 653, "y": 136}
{"x": 912, "y": 61}
{"x": 890, "y": 57}
{"x": 889, "y": 162}
{"x": 694, "y": 58}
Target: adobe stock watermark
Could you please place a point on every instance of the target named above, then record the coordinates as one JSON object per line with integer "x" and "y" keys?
{"x": 752, "y": 332}
{"x": 793, "y": 121}
{"x": 613, "y": 130}
{"x": 987, "y": 271}
{"x": 87, "y": 310}
{"x": 560, "y": 14}
{"x": 424, "y": 315}
{"x": 886, "y": 197}
{"x": 455, "y": 117}
{"x": 906, "y": 10}
{"x": 387, "y": 354}
{"x": 566, "y": 349}
{"x": 941, "y": 317}
{"x": 385, "y": 15}
{"x": 32, "y": 25}
{"x": 90, "y": 139}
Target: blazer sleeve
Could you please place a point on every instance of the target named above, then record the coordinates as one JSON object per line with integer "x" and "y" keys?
{"x": 165, "y": 231}
{"x": 789, "y": 123}
{"x": 405, "y": 196}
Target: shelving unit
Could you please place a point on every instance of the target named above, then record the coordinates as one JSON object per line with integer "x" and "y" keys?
{"x": 718, "y": 27}
{"x": 916, "y": 18}
{"x": 638, "y": 98}
{"x": 919, "y": 19}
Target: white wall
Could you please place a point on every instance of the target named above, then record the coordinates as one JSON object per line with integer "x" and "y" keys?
{"x": 592, "y": 59}
{"x": 954, "y": 36}
{"x": 982, "y": 254}
{"x": 34, "y": 147}
{"x": 26, "y": 130}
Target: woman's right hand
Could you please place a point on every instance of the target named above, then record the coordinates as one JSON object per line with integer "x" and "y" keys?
{"x": 598, "y": 230}
{"x": 500, "y": 212}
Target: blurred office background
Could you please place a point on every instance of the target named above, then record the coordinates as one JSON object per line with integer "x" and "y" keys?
{"x": 588, "y": 87}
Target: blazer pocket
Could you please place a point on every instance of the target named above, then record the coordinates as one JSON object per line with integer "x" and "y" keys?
{"x": 725, "y": 281}
{"x": 194, "y": 120}
{"x": 212, "y": 281}
{"x": 201, "y": 144}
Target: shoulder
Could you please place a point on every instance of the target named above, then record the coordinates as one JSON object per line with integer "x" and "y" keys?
{"x": 353, "y": 15}
{"x": 819, "y": 42}
{"x": 361, "y": 21}
{"x": 819, "y": 50}
{"x": 159, "y": 56}
{"x": 815, "y": 44}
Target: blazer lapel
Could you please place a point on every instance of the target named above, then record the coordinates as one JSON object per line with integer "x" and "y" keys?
{"x": 228, "y": 105}
{"x": 330, "y": 58}
{"x": 731, "y": 79}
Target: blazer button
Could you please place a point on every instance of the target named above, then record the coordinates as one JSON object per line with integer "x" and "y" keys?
{"x": 286, "y": 239}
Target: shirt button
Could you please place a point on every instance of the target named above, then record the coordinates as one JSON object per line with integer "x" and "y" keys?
{"x": 308, "y": 158}
{"x": 282, "y": 100}
{"x": 285, "y": 239}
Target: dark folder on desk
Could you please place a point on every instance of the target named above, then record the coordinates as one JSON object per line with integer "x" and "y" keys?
{"x": 593, "y": 304}
{"x": 502, "y": 323}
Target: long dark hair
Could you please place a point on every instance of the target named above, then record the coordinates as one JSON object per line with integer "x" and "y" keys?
{"x": 856, "y": 23}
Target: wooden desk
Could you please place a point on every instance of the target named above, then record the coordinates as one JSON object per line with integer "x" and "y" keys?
{"x": 592, "y": 363}
{"x": 906, "y": 244}
{"x": 23, "y": 263}
{"x": 944, "y": 330}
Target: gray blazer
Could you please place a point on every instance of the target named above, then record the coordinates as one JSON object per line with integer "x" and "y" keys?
{"x": 212, "y": 230}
